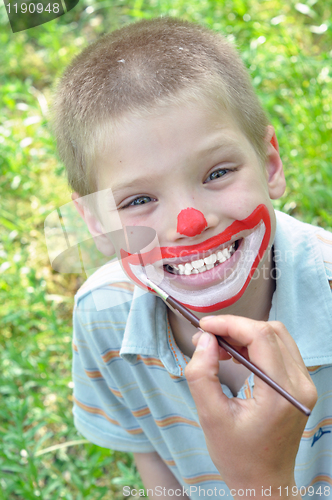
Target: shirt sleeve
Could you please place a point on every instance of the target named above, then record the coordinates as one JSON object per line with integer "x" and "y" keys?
{"x": 100, "y": 411}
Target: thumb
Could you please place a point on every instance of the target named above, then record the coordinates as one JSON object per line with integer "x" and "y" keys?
{"x": 202, "y": 377}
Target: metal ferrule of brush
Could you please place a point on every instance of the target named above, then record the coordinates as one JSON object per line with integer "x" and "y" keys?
{"x": 156, "y": 288}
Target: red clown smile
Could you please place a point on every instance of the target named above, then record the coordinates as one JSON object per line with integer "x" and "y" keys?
{"x": 193, "y": 272}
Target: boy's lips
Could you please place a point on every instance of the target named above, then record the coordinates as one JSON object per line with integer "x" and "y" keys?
{"x": 239, "y": 230}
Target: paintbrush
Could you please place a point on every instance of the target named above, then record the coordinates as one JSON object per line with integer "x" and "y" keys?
{"x": 189, "y": 316}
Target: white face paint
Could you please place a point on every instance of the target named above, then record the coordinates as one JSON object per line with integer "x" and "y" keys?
{"x": 231, "y": 276}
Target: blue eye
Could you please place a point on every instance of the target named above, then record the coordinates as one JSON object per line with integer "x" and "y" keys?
{"x": 141, "y": 200}
{"x": 218, "y": 173}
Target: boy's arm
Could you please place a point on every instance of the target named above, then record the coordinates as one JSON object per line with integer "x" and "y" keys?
{"x": 252, "y": 442}
{"x": 156, "y": 476}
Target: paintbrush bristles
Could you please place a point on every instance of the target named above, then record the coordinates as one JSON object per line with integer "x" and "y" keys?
{"x": 150, "y": 283}
{"x": 156, "y": 288}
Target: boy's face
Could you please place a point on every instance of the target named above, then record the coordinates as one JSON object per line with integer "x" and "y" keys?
{"x": 192, "y": 175}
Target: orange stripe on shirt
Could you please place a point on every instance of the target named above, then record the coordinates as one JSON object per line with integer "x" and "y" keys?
{"x": 202, "y": 478}
{"x": 150, "y": 361}
{"x": 116, "y": 392}
{"x": 123, "y": 286}
{"x": 313, "y": 368}
{"x": 322, "y": 423}
{"x": 95, "y": 411}
{"x": 99, "y": 411}
{"x": 114, "y": 353}
{"x": 175, "y": 419}
{"x": 170, "y": 463}
{"x": 329, "y": 242}
{"x": 320, "y": 479}
{"x": 134, "y": 431}
{"x": 175, "y": 377}
{"x": 93, "y": 373}
{"x": 142, "y": 412}
{"x": 247, "y": 390}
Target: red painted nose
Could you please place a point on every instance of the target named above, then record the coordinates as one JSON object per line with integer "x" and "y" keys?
{"x": 191, "y": 222}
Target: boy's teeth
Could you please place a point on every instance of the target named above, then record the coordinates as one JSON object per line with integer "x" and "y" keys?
{"x": 211, "y": 259}
{"x": 221, "y": 257}
{"x": 201, "y": 265}
{"x": 198, "y": 263}
{"x": 226, "y": 253}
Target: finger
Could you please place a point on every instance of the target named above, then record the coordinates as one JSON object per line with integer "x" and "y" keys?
{"x": 285, "y": 370}
{"x": 223, "y": 355}
{"x": 295, "y": 373}
{"x": 277, "y": 326}
{"x": 259, "y": 338}
{"x": 202, "y": 377}
{"x": 290, "y": 344}
{"x": 301, "y": 385}
{"x": 268, "y": 352}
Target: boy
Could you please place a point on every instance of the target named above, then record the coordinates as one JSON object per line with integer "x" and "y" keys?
{"x": 160, "y": 121}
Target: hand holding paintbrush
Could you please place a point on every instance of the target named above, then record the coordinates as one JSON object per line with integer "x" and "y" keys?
{"x": 253, "y": 442}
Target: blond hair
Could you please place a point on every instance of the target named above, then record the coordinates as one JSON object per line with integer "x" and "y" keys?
{"x": 141, "y": 67}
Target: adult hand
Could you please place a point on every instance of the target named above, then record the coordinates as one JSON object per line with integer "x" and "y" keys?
{"x": 252, "y": 442}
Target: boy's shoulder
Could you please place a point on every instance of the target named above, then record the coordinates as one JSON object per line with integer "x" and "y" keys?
{"x": 303, "y": 300}
{"x": 303, "y": 232}
{"x": 108, "y": 279}
{"x": 324, "y": 239}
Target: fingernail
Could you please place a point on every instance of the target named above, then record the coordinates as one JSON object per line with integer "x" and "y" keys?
{"x": 196, "y": 336}
{"x": 208, "y": 317}
{"x": 203, "y": 341}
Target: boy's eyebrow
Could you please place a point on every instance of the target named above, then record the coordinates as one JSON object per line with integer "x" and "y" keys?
{"x": 129, "y": 184}
{"x": 220, "y": 142}
{"x": 214, "y": 148}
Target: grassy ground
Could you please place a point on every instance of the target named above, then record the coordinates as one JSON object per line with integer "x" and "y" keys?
{"x": 287, "y": 49}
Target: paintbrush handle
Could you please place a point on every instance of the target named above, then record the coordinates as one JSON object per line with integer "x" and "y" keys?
{"x": 239, "y": 357}
{"x": 184, "y": 311}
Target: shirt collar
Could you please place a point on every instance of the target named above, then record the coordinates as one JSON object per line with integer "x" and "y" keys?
{"x": 302, "y": 299}
{"x": 148, "y": 335}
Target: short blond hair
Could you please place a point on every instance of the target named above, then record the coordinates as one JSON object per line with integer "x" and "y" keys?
{"x": 141, "y": 67}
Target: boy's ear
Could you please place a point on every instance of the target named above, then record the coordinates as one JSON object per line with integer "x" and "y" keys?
{"x": 101, "y": 240}
{"x": 274, "y": 169}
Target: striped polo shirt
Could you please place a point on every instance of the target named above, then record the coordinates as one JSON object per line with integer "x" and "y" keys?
{"x": 130, "y": 391}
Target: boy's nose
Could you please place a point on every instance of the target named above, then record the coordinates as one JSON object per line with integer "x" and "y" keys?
{"x": 191, "y": 222}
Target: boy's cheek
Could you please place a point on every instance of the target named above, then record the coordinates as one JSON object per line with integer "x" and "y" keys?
{"x": 104, "y": 245}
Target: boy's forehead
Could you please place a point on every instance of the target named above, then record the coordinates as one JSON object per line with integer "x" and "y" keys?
{"x": 158, "y": 123}
{"x": 177, "y": 134}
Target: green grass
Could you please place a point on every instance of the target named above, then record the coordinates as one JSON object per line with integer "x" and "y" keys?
{"x": 287, "y": 49}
